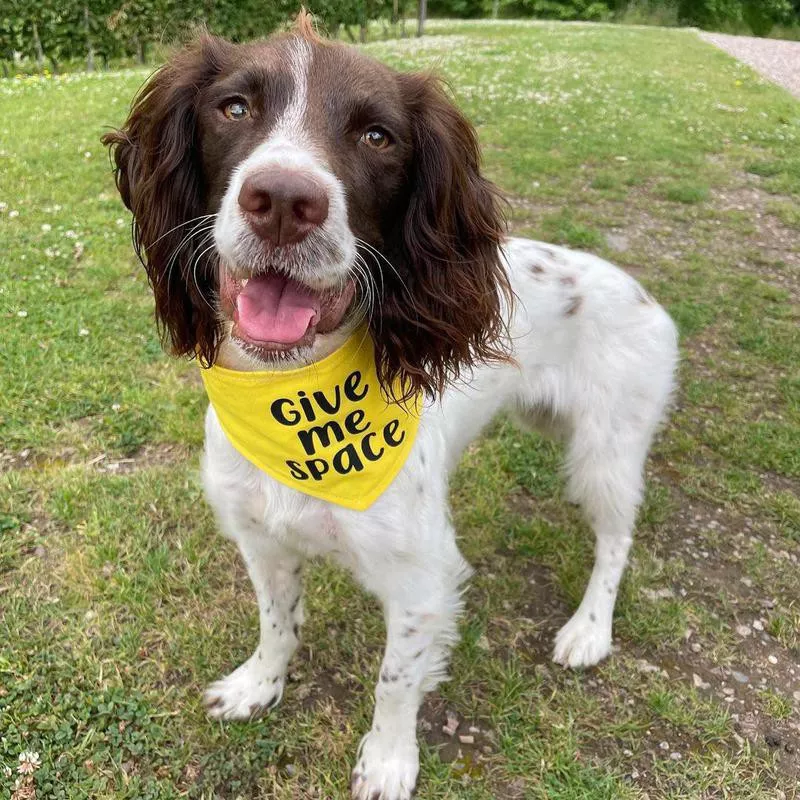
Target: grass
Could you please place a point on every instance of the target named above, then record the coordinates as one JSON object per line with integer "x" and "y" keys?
{"x": 118, "y": 601}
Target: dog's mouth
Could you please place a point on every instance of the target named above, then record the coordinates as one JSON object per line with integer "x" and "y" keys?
{"x": 275, "y": 313}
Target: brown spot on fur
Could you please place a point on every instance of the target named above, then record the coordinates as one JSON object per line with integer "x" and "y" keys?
{"x": 574, "y": 306}
{"x": 567, "y": 280}
{"x": 537, "y": 269}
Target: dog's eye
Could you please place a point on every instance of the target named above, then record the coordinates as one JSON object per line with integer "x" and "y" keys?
{"x": 236, "y": 110}
{"x": 377, "y": 138}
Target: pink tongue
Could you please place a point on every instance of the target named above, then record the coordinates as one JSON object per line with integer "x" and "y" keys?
{"x": 273, "y": 308}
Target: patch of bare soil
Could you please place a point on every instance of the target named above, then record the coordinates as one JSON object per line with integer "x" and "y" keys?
{"x": 464, "y": 743}
{"x": 775, "y": 245}
{"x": 144, "y": 458}
{"x": 714, "y": 545}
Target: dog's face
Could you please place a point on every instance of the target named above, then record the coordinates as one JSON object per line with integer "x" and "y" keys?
{"x": 286, "y": 189}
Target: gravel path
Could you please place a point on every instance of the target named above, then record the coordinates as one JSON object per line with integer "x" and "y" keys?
{"x": 775, "y": 59}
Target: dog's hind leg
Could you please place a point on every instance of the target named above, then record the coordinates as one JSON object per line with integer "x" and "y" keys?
{"x": 605, "y": 468}
{"x": 608, "y": 492}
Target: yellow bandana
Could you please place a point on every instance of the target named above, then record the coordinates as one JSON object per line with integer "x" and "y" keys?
{"x": 326, "y": 429}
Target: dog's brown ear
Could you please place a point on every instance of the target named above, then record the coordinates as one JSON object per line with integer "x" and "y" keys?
{"x": 443, "y": 310}
{"x": 159, "y": 178}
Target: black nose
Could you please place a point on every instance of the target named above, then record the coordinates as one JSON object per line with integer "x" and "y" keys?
{"x": 282, "y": 206}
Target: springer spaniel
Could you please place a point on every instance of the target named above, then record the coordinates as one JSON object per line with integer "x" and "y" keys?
{"x": 289, "y": 192}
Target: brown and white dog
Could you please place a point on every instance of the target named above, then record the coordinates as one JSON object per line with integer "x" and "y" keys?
{"x": 285, "y": 192}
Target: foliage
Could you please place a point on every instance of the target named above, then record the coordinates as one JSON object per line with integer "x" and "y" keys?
{"x": 56, "y": 30}
{"x": 47, "y": 33}
{"x": 762, "y": 15}
{"x": 558, "y": 9}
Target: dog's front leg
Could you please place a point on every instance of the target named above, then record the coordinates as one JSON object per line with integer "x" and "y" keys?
{"x": 421, "y": 606}
{"x": 256, "y": 686}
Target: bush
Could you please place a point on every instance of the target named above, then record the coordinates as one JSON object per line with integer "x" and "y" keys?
{"x": 762, "y": 15}
{"x": 557, "y": 9}
{"x": 759, "y": 15}
{"x": 649, "y": 12}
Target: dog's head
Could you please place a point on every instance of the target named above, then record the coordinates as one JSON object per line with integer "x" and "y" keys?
{"x": 284, "y": 190}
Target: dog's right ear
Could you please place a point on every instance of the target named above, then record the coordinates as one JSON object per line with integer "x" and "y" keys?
{"x": 159, "y": 178}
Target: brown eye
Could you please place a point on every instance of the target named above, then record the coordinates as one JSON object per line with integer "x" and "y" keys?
{"x": 377, "y": 138}
{"x": 236, "y": 110}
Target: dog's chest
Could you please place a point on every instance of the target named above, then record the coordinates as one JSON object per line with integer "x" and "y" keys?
{"x": 301, "y": 523}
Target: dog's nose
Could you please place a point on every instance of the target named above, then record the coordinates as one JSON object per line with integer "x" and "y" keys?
{"x": 282, "y": 206}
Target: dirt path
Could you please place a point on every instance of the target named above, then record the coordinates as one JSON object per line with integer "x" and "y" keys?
{"x": 775, "y": 59}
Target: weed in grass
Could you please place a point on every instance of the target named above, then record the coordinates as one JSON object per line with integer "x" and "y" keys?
{"x": 686, "y": 193}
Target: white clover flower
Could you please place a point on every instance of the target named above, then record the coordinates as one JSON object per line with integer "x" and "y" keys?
{"x": 29, "y": 762}
{"x": 83, "y": 332}
{"x": 46, "y": 228}
{"x": 22, "y": 314}
{"x": 13, "y": 213}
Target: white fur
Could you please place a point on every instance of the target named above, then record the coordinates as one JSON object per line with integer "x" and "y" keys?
{"x": 595, "y": 362}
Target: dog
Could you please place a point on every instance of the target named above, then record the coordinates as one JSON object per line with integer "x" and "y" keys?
{"x": 293, "y": 195}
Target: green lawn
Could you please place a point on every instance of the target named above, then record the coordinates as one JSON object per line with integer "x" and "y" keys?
{"x": 118, "y": 601}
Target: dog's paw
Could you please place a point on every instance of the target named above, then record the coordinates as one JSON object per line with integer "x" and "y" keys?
{"x": 249, "y": 692}
{"x": 385, "y": 769}
{"x": 582, "y": 642}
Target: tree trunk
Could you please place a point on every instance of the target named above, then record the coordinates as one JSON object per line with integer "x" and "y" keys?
{"x": 37, "y": 47}
{"x": 422, "y": 16}
{"x": 362, "y": 28}
{"x": 6, "y": 72}
{"x": 139, "y": 49}
{"x": 395, "y": 15}
{"x": 495, "y": 9}
{"x": 349, "y": 34}
{"x": 89, "y": 42}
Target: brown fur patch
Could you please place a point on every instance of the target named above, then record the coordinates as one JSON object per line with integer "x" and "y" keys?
{"x": 304, "y": 26}
{"x": 423, "y": 205}
{"x": 574, "y": 306}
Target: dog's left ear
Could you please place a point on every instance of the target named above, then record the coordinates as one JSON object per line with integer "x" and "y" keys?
{"x": 442, "y": 311}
